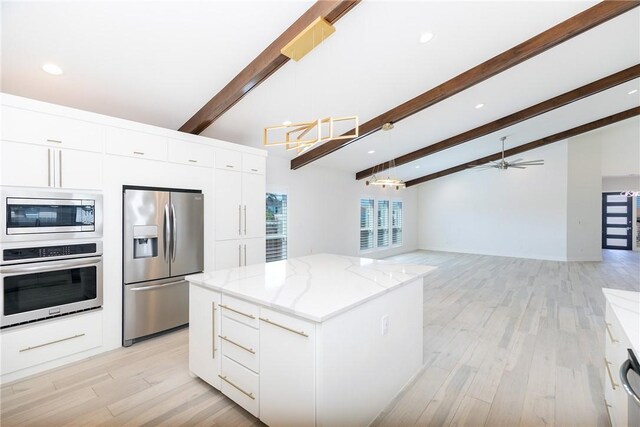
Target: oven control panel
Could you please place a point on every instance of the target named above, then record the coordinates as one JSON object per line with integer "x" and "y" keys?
{"x": 48, "y": 251}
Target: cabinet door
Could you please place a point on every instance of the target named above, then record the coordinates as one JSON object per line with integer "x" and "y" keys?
{"x": 229, "y": 254}
{"x": 204, "y": 328}
{"x": 79, "y": 169}
{"x": 228, "y": 201}
{"x": 254, "y": 209}
{"x": 25, "y": 165}
{"x": 253, "y": 251}
{"x": 287, "y": 370}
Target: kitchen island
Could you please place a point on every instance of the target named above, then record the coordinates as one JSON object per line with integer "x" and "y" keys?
{"x": 317, "y": 340}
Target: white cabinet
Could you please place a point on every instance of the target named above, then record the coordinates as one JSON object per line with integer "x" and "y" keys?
{"x": 41, "y": 166}
{"x": 228, "y": 210}
{"x": 190, "y": 153}
{"x": 228, "y": 160}
{"x": 31, "y": 345}
{"x": 253, "y": 197}
{"x": 204, "y": 328}
{"x": 239, "y": 252}
{"x": 253, "y": 164}
{"x": 287, "y": 370}
{"x": 123, "y": 142}
{"x": 39, "y": 128}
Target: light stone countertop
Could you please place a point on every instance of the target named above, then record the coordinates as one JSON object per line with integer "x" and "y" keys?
{"x": 626, "y": 307}
{"x": 314, "y": 287}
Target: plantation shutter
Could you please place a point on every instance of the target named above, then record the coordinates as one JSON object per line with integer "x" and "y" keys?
{"x": 366, "y": 224}
{"x": 396, "y": 223}
{"x": 383, "y": 223}
{"x": 276, "y": 221}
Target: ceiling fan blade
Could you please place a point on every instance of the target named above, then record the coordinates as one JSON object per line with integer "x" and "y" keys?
{"x": 516, "y": 166}
{"x": 480, "y": 167}
{"x": 531, "y": 162}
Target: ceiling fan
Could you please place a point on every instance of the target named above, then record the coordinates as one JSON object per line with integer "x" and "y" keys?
{"x": 504, "y": 165}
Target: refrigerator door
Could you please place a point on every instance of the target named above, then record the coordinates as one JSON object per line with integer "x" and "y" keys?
{"x": 146, "y": 235}
{"x": 153, "y": 307}
{"x": 187, "y": 228}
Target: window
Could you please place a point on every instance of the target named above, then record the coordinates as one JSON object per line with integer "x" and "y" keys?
{"x": 366, "y": 224}
{"x": 383, "y": 223}
{"x": 396, "y": 223}
{"x": 276, "y": 234}
{"x": 386, "y": 231}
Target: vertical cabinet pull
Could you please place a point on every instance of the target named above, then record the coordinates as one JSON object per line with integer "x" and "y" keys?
{"x": 213, "y": 329}
{"x": 239, "y": 255}
{"x": 245, "y": 255}
{"x": 606, "y": 364}
{"x": 239, "y": 220}
{"x": 60, "y": 167}
{"x": 49, "y": 167}
{"x": 245, "y": 221}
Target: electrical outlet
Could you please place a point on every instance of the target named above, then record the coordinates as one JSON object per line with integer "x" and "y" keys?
{"x": 385, "y": 324}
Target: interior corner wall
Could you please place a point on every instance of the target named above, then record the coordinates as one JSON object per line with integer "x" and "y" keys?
{"x": 515, "y": 213}
{"x": 324, "y": 209}
{"x": 584, "y": 193}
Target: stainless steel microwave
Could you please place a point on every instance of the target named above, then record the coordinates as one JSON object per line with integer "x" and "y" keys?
{"x": 30, "y": 214}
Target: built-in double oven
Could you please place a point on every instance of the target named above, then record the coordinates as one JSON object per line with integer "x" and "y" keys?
{"x": 50, "y": 253}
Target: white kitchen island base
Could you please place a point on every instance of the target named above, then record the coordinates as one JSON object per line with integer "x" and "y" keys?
{"x": 304, "y": 354}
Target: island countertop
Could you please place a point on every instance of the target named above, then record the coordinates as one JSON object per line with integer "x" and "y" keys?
{"x": 314, "y": 287}
{"x": 626, "y": 307}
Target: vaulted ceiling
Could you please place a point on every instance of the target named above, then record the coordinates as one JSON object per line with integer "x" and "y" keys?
{"x": 160, "y": 64}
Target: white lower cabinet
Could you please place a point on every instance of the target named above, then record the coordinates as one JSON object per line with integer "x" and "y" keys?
{"x": 287, "y": 370}
{"x": 204, "y": 343}
{"x": 241, "y": 385}
{"x": 30, "y": 345}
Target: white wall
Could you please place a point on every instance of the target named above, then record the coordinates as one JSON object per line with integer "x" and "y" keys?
{"x": 621, "y": 148}
{"x": 516, "y": 213}
{"x": 324, "y": 209}
{"x": 584, "y": 192}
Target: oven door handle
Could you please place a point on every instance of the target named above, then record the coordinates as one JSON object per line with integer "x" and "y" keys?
{"x": 72, "y": 263}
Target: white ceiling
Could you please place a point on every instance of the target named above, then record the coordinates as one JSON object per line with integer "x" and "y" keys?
{"x": 159, "y": 62}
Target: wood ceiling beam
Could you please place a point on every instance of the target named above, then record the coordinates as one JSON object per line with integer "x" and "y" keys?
{"x": 263, "y": 65}
{"x": 632, "y": 112}
{"x": 560, "y": 33}
{"x": 543, "y": 107}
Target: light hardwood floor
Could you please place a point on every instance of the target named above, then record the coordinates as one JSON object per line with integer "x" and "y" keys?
{"x": 507, "y": 342}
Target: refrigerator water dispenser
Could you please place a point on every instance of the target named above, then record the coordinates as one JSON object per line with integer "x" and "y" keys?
{"x": 145, "y": 241}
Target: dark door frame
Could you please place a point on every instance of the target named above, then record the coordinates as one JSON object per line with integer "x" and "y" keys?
{"x": 629, "y": 226}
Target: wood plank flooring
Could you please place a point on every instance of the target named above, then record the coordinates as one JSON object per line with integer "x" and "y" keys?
{"x": 507, "y": 342}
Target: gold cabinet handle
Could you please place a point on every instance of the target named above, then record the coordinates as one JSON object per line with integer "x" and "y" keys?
{"x": 250, "y": 316}
{"x": 213, "y": 329}
{"x": 224, "y": 378}
{"x": 606, "y": 325}
{"x": 606, "y": 364}
{"x": 51, "y": 342}
{"x": 284, "y": 327}
{"x": 250, "y": 350}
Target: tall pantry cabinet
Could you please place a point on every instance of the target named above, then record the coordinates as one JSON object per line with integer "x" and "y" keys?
{"x": 240, "y": 209}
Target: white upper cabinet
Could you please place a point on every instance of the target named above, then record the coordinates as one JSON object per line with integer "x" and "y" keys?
{"x": 228, "y": 160}
{"x": 190, "y": 153}
{"x": 46, "y": 129}
{"x": 253, "y": 208}
{"x": 142, "y": 145}
{"x": 79, "y": 169}
{"x": 253, "y": 164}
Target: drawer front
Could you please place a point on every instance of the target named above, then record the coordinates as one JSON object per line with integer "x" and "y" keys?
{"x": 53, "y": 339}
{"x": 123, "y": 142}
{"x": 240, "y": 343}
{"x": 227, "y": 159}
{"x": 253, "y": 164}
{"x": 40, "y": 128}
{"x": 240, "y": 385}
{"x": 242, "y": 311}
{"x": 191, "y": 154}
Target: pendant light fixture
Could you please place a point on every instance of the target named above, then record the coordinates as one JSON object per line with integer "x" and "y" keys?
{"x": 389, "y": 180}
{"x": 303, "y": 136}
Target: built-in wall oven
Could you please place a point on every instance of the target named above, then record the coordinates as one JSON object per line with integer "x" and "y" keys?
{"x": 30, "y": 214}
{"x": 39, "y": 282}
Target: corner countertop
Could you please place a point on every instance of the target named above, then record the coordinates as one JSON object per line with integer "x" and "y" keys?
{"x": 314, "y": 287}
{"x": 626, "y": 307}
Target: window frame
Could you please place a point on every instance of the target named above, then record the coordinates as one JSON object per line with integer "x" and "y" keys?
{"x": 286, "y": 225}
{"x": 372, "y": 228}
{"x": 390, "y": 244}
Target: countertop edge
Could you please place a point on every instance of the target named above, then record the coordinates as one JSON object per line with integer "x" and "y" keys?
{"x": 610, "y": 293}
{"x": 194, "y": 280}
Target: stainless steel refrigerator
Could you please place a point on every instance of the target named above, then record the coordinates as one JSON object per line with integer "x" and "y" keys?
{"x": 162, "y": 242}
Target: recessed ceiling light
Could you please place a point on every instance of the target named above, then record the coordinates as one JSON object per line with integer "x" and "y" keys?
{"x": 286, "y": 123}
{"x": 371, "y": 151}
{"x": 631, "y": 92}
{"x": 418, "y": 167}
{"x": 426, "y": 37}
{"x": 52, "y": 69}
{"x": 479, "y": 106}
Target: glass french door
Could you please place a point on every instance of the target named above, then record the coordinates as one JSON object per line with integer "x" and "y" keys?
{"x": 616, "y": 221}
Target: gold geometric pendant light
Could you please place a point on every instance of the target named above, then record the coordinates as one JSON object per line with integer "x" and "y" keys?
{"x": 302, "y": 136}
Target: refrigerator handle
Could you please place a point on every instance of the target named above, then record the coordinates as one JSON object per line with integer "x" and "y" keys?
{"x": 174, "y": 233}
{"x": 167, "y": 232}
